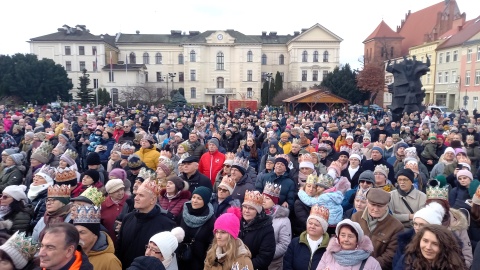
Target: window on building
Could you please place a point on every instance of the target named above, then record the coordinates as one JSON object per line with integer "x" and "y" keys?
{"x": 94, "y": 50}
{"x": 158, "y": 58}
{"x": 315, "y": 76}
{"x": 304, "y": 75}
{"x": 249, "y": 56}
{"x": 146, "y": 76}
{"x": 315, "y": 56}
{"x": 193, "y": 92}
{"x": 81, "y": 50}
{"x": 477, "y": 77}
{"x": 304, "y": 56}
{"x": 441, "y": 99}
{"x": 193, "y": 56}
{"x": 220, "y": 61}
{"x": 325, "y": 74}
{"x": 68, "y": 50}
{"x": 82, "y": 65}
{"x": 439, "y": 77}
{"x": 440, "y": 58}
{"x": 146, "y": 59}
{"x": 469, "y": 54}
{"x": 133, "y": 58}
{"x": 467, "y": 78}
{"x": 249, "y": 75}
{"x": 180, "y": 59}
{"x": 447, "y": 57}
{"x": 454, "y": 76}
{"x": 264, "y": 59}
{"x": 193, "y": 75}
{"x": 281, "y": 59}
{"x": 220, "y": 83}
{"x": 455, "y": 56}
{"x": 325, "y": 56}
{"x": 282, "y": 74}
{"x": 111, "y": 76}
{"x": 68, "y": 65}
{"x": 95, "y": 83}
{"x": 249, "y": 92}
{"x": 446, "y": 77}
{"x": 159, "y": 77}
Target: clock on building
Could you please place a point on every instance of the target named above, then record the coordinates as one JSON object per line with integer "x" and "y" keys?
{"x": 219, "y": 36}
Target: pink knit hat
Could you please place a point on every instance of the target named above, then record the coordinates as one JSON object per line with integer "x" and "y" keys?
{"x": 229, "y": 222}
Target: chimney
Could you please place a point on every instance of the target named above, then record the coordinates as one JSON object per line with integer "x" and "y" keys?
{"x": 264, "y": 33}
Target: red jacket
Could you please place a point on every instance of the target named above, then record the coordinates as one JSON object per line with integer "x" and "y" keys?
{"x": 210, "y": 164}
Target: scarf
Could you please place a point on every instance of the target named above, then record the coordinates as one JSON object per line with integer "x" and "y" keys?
{"x": 350, "y": 257}
{"x": 34, "y": 190}
{"x": 4, "y": 210}
{"x": 403, "y": 193}
{"x": 194, "y": 220}
{"x": 57, "y": 216}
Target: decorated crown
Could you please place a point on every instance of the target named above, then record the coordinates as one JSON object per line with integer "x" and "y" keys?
{"x": 87, "y": 214}
{"x": 146, "y": 174}
{"x": 320, "y": 211}
{"x": 312, "y": 179}
{"x": 241, "y": 162}
{"x": 94, "y": 195}
{"x": 71, "y": 154}
{"x": 67, "y": 174}
{"x": 230, "y": 156}
{"x": 152, "y": 186}
{"x": 127, "y": 149}
{"x": 253, "y": 197}
{"x": 305, "y": 158}
{"x": 23, "y": 244}
{"x": 283, "y": 156}
{"x": 49, "y": 171}
{"x": 437, "y": 193}
{"x": 59, "y": 191}
{"x": 325, "y": 180}
{"x": 345, "y": 149}
{"x": 272, "y": 189}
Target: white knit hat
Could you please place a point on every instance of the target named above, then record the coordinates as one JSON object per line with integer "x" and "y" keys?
{"x": 432, "y": 213}
{"x": 167, "y": 242}
{"x": 16, "y": 192}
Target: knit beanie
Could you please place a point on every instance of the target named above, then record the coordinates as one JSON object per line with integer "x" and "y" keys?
{"x": 118, "y": 174}
{"x": 93, "y": 159}
{"x": 17, "y": 192}
{"x": 93, "y": 174}
{"x": 203, "y": 192}
{"x": 229, "y": 222}
{"x": 379, "y": 149}
{"x": 432, "y": 213}
{"x": 167, "y": 242}
{"x": 114, "y": 185}
{"x": 354, "y": 225}
{"x": 406, "y": 172}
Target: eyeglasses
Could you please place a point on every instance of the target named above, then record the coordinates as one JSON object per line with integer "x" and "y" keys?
{"x": 4, "y": 197}
{"x": 222, "y": 190}
{"x": 152, "y": 250}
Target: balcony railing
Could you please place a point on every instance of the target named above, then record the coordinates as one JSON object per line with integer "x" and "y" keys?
{"x": 219, "y": 91}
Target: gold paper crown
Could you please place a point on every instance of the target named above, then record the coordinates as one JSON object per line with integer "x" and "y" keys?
{"x": 320, "y": 211}
{"x": 305, "y": 158}
{"x": 126, "y": 149}
{"x": 25, "y": 245}
{"x": 66, "y": 174}
{"x": 228, "y": 181}
{"x": 272, "y": 189}
{"x": 312, "y": 179}
{"x": 241, "y": 162}
{"x": 325, "y": 180}
{"x": 49, "y": 171}
{"x": 87, "y": 214}
{"x": 437, "y": 193}
{"x": 71, "y": 154}
{"x": 146, "y": 174}
{"x": 253, "y": 197}
{"x": 152, "y": 186}
{"x": 59, "y": 191}
{"x": 230, "y": 156}
{"x": 94, "y": 195}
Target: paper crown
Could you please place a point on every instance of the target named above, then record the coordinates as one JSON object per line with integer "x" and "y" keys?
{"x": 305, "y": 158}
{"x": 325, "y": 180}
{"x": 49, "y": 171}
{"x": 94, "y": 195}
{"x": 312, "y": 179}
{"x": 152, "y": 186}
{"x": 70, "y": 154}
{"x": 126, "y": 150}
{"x": 272, "y": 189}
{"x": 87, "y": 214}
{"x": 241, "y": 162}
{"x": 148, "y": 137}
{"x": 320, "y": 211}
{"x": 253, "y": 197}
{"x": 437, "y": 193}
{"x": 62, "y": 191}
{"x": 146, "y": 174}
{"x": 230, "y": 156}
{"x": 64, "y": 175}
{"x": 229, "y": 182}
{"x": 23, "y": 244}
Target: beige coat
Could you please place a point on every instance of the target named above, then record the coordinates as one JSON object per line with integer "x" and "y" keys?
{"x": 416, "y": 199}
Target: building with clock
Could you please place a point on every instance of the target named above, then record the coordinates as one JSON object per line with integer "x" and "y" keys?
{"x": 211, "y": 66}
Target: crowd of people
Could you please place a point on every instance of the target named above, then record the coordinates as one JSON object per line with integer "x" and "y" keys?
{"x": 149, "y": 188}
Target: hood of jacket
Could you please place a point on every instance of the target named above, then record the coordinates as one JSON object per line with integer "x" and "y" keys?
{"x": 103, "y": 245}
{"x": 458, "y": 221}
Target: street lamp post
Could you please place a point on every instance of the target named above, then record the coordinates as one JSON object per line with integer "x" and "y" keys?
{"x": 269, "y": 77}
{"x": 171, "y": 76}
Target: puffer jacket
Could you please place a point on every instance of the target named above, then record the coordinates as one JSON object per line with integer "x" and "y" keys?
{"x": 283, "y": 235}
{"x": 259, "y": 237}
{"x": 210, "y": 164}
{"x": 149, "y": 157}
{"x": 299, "y": 256}
{"x": 328, "y": 260}
{"x": 174, "y": 206}
{"x": 102, "y": 256}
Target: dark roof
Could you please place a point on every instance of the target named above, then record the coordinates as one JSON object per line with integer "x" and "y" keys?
{"x": 469, "y": 29}
{"x": 383, "y": 31}
{"x": 122, "y": 67}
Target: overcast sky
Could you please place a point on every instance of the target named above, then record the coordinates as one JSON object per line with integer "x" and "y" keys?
{"x": 352, "y": 20}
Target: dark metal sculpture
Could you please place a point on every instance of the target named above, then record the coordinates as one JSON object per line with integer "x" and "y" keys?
{"x": 407, "y": 87}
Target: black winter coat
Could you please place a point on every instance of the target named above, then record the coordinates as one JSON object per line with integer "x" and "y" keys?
{"x": 136, "y": 230}
{"x": 259, "y": 237}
